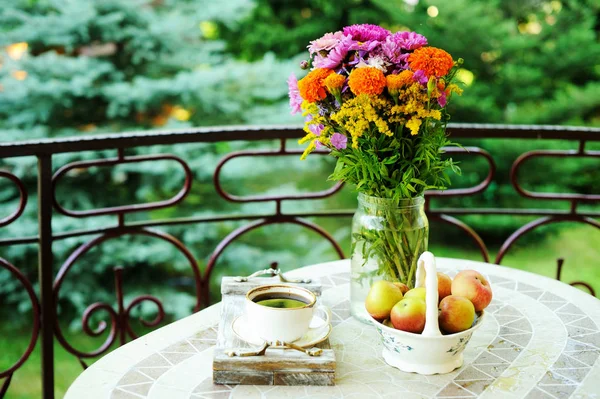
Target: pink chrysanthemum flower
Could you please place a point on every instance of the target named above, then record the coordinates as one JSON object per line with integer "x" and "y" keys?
{"x": 339, "y": 141}
{"x": 327, "y": 42}
{"x": 366, "y": 32}
{"x": 419, "y": 76}
{"x": 368, "y": 46}
{"x": 316, "y": 129}
{"x": 335, "y": 56}
{"x": 294, "y": 93}
{"x": 396, "y": 46}
{"x": 409, "y": 40}
{"x": 442, "y": 99}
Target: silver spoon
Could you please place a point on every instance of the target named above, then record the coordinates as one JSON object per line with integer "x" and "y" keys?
{"x": 272, "y": 272}
{"x": 263, "y": 349}
{"x": 244, "y": 353}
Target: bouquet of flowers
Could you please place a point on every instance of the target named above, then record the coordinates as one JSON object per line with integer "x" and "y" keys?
{"x": 377, "y": 101}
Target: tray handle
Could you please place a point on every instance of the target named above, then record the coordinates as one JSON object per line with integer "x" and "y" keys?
{"x": 427, "y": 277}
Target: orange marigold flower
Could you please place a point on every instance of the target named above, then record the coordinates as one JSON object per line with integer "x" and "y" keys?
{"x": 395, "y": 82}
{"x": 334, "y": 82}
{"x": 311, "y": 86}
{"x": 431, "y": 60}
{"x": 366, "y": 80}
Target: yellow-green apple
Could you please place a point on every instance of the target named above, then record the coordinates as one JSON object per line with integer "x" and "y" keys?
{"x": 381, "y": 298}
{"x": 403, "y": 287}
{"x": 444, "y": 285}
{"x": 416, "y": 293}
{"x": 473, "y": 286}
{"x": 457, "y": 314}
{"x": 409, "y": 315}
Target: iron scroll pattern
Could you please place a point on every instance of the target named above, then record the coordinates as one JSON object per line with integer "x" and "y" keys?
{"x": 7, "y": 374}
{"x": 117, "y": 325}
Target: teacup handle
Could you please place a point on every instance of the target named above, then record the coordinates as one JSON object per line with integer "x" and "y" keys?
{"x": 327, "y": 312}
{"x": 427, "y": 277}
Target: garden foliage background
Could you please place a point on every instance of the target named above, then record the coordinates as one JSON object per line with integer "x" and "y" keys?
{"x": 81, "y": 67}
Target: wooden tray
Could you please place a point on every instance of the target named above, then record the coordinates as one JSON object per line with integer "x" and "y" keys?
{"x": 277, "y": 366}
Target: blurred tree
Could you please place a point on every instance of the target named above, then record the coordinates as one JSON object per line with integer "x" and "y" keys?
{"x": 286, "y": 26}
{"x": 81, "y": 67}
{"x": 113, "y": 64}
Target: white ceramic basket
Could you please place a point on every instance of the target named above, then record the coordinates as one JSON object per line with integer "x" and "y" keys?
{"x": 429, "y": 352}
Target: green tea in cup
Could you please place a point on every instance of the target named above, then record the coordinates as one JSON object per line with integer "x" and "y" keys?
{"x": 282, "y": 302}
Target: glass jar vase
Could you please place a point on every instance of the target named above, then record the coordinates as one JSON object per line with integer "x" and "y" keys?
{"x": 387, "y": 239}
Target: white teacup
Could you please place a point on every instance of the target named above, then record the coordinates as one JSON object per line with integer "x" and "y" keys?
{"x": 282, "y": 324}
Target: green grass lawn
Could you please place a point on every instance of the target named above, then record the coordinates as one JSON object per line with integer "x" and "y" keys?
{"x": 26, "y": 382}
{"x": 578, "y": 245}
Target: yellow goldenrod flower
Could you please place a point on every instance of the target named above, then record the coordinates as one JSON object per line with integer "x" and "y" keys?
{"x": 310, "y": 148}
{"x": 308, "y": 137}
{"x": 357, "y": 115}
{"x": 414, "y": 124}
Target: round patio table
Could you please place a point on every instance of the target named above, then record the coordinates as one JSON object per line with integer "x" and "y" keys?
{"x": 540, "y": 339}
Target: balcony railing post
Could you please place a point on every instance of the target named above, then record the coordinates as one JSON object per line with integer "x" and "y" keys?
{"x": 46, "y": 273}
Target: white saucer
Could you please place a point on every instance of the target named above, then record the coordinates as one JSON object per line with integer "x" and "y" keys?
{"x": 312, "y": 337}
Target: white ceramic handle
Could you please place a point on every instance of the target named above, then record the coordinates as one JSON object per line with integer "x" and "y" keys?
{"x": 427, "y": 277}
{"x": 327, "y": 312}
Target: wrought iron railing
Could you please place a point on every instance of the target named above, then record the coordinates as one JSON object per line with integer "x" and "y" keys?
{"x": 45, "y": 326}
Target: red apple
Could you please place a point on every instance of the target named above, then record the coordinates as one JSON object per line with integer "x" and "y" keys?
{"x": 381, "y": 298}
{"x": 444, "y": 286}
{"x": 473, "y": 286}
{"x": 403, "y": 287}
{"x": 409, "y": 315}
{"x": 457, "y": 314}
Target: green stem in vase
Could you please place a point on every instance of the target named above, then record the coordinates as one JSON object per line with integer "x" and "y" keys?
{"x": 415, "y": 258}
{"x": 392, "y": 246}
{"x": 393, "y": 236}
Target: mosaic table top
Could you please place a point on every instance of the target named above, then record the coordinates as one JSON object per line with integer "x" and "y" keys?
{"x": 540, "y": 340}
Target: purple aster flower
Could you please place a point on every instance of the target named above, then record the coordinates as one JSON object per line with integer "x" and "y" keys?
{"x": 357, "y": 58}
{"x": 323, "y": 111}
{"x": 327, "y": 42}
{"x": 335, "y": 56}
{"x": 308, "y": 118}
{"x": 366, "y": 32}
{"x": 442, "y": 99}
{"x": 319, "y": 145}
{"x": 419, "y": 76}
{"x": 339, "y": 141}
{"x": 294, "y": 93}
{"x": 367, "y": 46}
{"x": 316, "y": 129}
